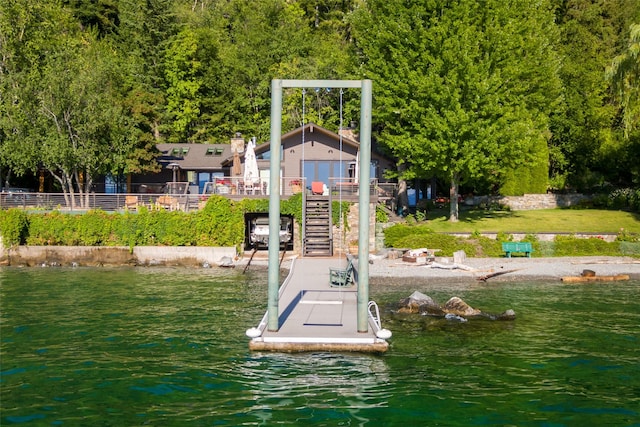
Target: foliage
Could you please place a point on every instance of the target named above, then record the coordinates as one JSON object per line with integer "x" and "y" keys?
{"x": 586, "y": 146}
{"x": 220, "y": 223}
{"x": 504, "y": 237}
{"x": 381, "y": 215}
{"x": 412, "y": 237}
{"x": 94, "y": 228}
{"x": 254, "y": 205}
{"x": 476, "y": 92}
{"x": 62, "y": 110}
{"x": 626, "y": 236}
{"x": 620, "y": 198}
{"x": 572, "y": 246}
{"x": 13, "y": 226}
{"x": 293, "y": 206}
{"x": 399, "y": 232}
{"x": 50, "y": 229}
{"x": 624, "y": 73}
{"x": 338, "y": 208}
{"x": 420, "y": 236}
{"x": 480, "y": 73}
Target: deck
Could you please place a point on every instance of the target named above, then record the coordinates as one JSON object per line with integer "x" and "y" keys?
{"x": 313, "y": 316}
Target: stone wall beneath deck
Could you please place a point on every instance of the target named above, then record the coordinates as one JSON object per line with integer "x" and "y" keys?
{"x": 342, "y": 237}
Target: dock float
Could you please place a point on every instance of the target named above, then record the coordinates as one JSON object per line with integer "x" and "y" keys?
{"x": 313, "y": 316}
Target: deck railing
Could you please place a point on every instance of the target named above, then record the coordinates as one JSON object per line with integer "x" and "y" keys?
{"x": 232, "y": 187}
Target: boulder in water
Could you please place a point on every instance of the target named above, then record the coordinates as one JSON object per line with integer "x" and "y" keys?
{"x": 457, "y": 306}
{"x": 454, "y": 309}
{"x": 420, "y": 303}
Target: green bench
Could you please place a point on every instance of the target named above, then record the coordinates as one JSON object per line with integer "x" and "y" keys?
{"x": 341, "y": 277}
{"x": 521, "y": 247}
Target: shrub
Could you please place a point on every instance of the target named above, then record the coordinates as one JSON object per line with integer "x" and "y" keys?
{"x": 51, "y": 229}
{"x": 630, "y": 248}
{"x": 626, "y": 236}
{"x": 93, "y": 228}
{"x": 634, "y": 200}
{"x": 13, "y": 226}
{"x": 504, "y": 237}
{"x": 572, "y": 246}
{"x": 254, "y": 205}
{"x": 620, "y": 198}
{"x": 293, "y": 206}
{"x": 381, "y": 215}
{"x": 338, "y": 208}
{"x": 220, "y": 223}
{"x": 446, "y": 243}
{"x": 396, "y": 233}
{"x": 126, "y": 229}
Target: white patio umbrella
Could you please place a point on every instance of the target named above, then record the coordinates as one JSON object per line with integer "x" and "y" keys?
{"x": 356, "y": 174}
{"x": 251, "y": 173}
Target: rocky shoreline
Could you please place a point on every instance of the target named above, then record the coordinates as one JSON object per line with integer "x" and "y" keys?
{"x": 381, "y": 269}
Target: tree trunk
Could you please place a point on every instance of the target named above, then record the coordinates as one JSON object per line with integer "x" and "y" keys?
{"x": 453, "y": 198}
{"x": 403, "y": 198}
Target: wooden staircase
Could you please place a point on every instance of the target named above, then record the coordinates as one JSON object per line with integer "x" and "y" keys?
{"x": 317, "y": 226}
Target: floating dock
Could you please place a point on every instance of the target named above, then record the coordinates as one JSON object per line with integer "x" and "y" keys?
{"x": 314, "y": 316}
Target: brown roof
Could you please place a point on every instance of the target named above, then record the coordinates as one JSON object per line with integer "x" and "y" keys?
{"x": 309, "y": 128}
{"x": 194, "y": 156}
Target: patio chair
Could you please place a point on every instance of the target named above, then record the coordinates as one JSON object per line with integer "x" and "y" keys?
{"x": 317, "y": 187}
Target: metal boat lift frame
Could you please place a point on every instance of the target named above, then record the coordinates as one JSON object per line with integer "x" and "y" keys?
{"x": 365, "y": 87}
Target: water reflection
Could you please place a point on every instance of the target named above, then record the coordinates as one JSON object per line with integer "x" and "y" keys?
{"x": 317, "y": 385}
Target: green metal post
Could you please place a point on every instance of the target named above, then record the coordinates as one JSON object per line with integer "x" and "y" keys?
{"x": 363, "y": 211}
{"x": 364, "y": 199}
{"x": 274, "y": 206}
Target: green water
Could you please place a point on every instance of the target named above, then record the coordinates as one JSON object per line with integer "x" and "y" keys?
{"x": 166, "y": 347}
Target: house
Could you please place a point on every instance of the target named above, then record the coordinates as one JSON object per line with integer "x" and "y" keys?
{"x": 320, "y": 155}
{"x": 309, "y": 154}
{"x": 193, "y": 163}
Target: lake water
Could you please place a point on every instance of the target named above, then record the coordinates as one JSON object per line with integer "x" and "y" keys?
{"x": 166, "y": 347}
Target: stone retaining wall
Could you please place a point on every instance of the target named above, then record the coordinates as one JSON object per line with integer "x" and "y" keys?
{"x": 115, "y": 256}
{"x": 545, "y": 237}
{"x": 530, "y": 201}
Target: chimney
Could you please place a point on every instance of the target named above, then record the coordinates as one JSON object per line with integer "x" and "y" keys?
{"x": 350, "y": 132}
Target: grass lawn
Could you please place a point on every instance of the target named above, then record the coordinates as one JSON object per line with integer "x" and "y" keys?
{"x": 536, "y": 221}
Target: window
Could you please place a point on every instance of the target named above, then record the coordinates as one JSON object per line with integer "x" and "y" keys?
{"x": 214, "y": 151}
{"x": 180, "y": 151}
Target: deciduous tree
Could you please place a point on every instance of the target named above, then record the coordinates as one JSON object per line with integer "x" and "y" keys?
{"x": 462, "y": 88}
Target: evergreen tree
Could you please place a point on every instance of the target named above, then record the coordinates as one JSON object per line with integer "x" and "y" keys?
{"x": 583, "y": 126}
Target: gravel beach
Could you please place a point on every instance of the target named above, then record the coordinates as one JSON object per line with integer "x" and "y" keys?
{"x": 509, "y": 269}
{"x": 491, "y": 269}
